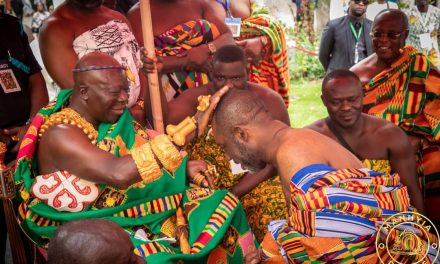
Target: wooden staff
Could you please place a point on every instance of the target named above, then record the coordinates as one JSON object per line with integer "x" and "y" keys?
{"x": 153, "y": 78}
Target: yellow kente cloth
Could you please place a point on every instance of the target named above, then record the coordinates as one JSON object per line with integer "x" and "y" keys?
{"x": 263, "y": 204}
{"x": 408, "y": 94}
{"x": 383, "y": 166}
{"x": 273, "y": 71}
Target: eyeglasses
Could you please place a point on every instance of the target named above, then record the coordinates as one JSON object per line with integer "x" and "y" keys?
{"x": 390, "y": 35}
{"x": 365, "y": 2}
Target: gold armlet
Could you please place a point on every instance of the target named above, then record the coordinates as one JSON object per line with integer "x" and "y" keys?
{"x": 166, "y": 152}
{"x": 146, "y": 163}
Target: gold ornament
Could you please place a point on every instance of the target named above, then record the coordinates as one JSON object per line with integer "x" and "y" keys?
{"x": 178, "y": 133}
{"x": 69, "y": 116}
{"x": 200, "y": 180}
{"x": 204, "y": 101}
{"x": 146, "y": 163}
{"x": 166, "y": 152}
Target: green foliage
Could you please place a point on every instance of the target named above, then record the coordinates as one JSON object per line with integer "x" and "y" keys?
{"x": 402, "y": 5}
{"x": 304, "y": 66}
{"x": 305, "y": 106}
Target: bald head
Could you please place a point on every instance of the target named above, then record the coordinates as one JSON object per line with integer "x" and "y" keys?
{"x": 239, "y": 107}
{"x": 90, "y": 241}
{"x": 340, "y": 74}
{"x": 101, "y": 88}
{"x": 393, "y": 15}
{"x": 98, "y": 60}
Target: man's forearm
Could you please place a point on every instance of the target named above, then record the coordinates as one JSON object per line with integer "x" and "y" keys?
{"x": 39, "y": 96}
{"x": 251, "y": 180}
{"x": 173, "y": 64}
{"x": 224, "y": 39}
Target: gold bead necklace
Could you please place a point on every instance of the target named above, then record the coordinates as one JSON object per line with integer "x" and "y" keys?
{"x": 69, "y": 116}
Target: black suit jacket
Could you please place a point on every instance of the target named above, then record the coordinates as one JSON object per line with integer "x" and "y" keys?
{"x": 336, "y": 50}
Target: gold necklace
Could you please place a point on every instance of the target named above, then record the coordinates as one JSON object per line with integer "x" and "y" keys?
{"x": 70, "y": 117}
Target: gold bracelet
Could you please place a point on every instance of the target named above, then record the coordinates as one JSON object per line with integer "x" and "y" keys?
{"x": 146, "y": 163}
{"x": 198, "y": 179}
{"x": 166, "y": 152}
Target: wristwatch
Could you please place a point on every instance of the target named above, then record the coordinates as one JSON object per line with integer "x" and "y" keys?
{"x": 212, "y": 48}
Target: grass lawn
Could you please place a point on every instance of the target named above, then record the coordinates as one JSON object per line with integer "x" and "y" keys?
{"x": 305, "y": 105}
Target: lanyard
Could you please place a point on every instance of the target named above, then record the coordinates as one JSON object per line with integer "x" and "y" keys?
{"x": 357, "y": 34}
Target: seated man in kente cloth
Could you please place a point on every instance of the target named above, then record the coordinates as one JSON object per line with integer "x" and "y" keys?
{"x": 402, "y": 86}
{"x": 187, "y": 33}
{"x": 263, "y": 40}
{"x": 260, "y": 192}
{"x": 93, "y": 161}
{"x": 336, "y": 205}
{"x": 379, "y": 144}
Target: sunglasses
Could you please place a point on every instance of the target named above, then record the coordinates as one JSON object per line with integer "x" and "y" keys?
{"x": 389, "y": 35}
{"x": 365, "y": 2}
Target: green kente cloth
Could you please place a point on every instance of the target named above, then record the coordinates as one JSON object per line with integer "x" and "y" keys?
{"x": 218, "y": 229}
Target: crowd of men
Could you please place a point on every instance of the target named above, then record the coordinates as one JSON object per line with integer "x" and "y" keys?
{"x": 96, "y": 184}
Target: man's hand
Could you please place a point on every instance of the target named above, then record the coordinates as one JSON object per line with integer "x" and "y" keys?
{"x": 197, "y": 58}
{"x": 253, "y": 257}
{"x": 16, "y": 134}
{"x": 138, "y": 114}
{"x": 149, "y": 65}
{"x": 253, "y": 49}
{"x": 204, "y": 118}
{"x": 196, "y": 167}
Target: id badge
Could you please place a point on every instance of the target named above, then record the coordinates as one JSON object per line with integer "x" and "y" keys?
{"x": 234, "y": 23}
{"x": 8, "y": 82}
{"x": 425, "y": 41}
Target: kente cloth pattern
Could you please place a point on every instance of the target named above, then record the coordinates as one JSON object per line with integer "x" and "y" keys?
{"x": 264, "y": 203}
{"x": 408, "y": 95}
{"x": 335, "y": 216}
{"x": 218, "y": 229}
{"x": 273, "y": 71}
{"x": 115, "y": 39}
{"x": 422, "y": 23}
{"x": 179, "y": 40}
{"x": 382, "y": 166}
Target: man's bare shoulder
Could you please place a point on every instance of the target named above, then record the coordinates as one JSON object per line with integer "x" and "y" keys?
{"x": 56, "y": 23}
{"x": 319, "y": 126}
{"x": 365, "y": 65}
{"x": 56, "y": 134}
{"x": 265, "y": 93}
{"x": 112, "y": 14}
{"x": 134, "y": 10}
{"x": 384, "y": 130}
